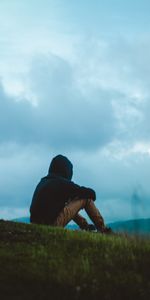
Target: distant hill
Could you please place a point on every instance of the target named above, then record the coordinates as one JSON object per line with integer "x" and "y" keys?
{"x": 138, "y": 226}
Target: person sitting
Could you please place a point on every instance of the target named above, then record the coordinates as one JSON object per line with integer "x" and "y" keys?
{"x": 57, "y": 200}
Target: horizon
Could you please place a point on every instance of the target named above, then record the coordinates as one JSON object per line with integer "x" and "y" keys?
{"x": 72, "y": 222}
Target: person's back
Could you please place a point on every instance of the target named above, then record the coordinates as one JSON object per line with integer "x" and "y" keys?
{"x": 48, "y": 199}
{"x": 57, "y": 199}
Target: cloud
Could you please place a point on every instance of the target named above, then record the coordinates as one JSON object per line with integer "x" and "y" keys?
{"x": 121, "y": 67}
{"x": 77, "y": 84}
{"x": 63, "y": 117}
{"x": 22, "y": 166}
{"x": 97, "y": 126}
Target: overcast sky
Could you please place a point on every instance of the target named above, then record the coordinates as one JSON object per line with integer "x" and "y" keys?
{"x": 75, "y": 80}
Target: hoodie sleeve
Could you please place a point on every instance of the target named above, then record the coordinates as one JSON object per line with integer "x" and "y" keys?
{"x": 81, "y": 192}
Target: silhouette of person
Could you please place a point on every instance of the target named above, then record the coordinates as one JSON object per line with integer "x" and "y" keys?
{"x": 57, "y": 200}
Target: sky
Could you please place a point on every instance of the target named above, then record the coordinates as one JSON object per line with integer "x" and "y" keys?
{"x": 75, "y": 80}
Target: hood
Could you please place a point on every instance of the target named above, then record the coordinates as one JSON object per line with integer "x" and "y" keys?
{"x": 61, "y": 166}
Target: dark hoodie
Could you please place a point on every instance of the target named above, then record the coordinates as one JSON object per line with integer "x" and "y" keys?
{"x": 54, "y": 190}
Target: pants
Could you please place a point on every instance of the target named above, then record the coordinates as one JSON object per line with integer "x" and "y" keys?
{"x": 70, "y": 212}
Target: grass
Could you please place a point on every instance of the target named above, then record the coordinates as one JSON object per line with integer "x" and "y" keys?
{"x": 41, "y": 262}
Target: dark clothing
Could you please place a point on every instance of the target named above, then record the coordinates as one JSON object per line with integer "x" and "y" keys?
{"x": 54, "y": 190}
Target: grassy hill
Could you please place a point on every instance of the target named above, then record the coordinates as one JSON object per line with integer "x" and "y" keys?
{"x": 41, "y": 262}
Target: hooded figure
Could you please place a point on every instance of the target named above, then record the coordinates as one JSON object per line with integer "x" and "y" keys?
{"x": 57, "y": 199}
{"x": 53, "y": 192}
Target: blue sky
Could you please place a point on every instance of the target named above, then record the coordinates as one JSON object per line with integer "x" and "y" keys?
{"x": 74, "y": 79}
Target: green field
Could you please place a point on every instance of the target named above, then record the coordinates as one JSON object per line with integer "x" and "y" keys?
{"x": 41, "y": 262}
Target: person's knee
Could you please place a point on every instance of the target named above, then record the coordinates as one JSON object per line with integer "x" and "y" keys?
{"x": 88, "y": 202}
{"x": 78, "y": 202}
{"x": 84, "y": 203}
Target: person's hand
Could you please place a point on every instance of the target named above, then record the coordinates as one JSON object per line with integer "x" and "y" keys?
{"x": 91, "y": 227}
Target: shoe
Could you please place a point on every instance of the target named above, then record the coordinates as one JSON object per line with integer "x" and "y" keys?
{"x": 105, "y": 230}
{"x": 91, "y": 227}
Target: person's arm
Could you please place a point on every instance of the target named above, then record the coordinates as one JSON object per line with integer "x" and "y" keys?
{"x": 75, "y": 191}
